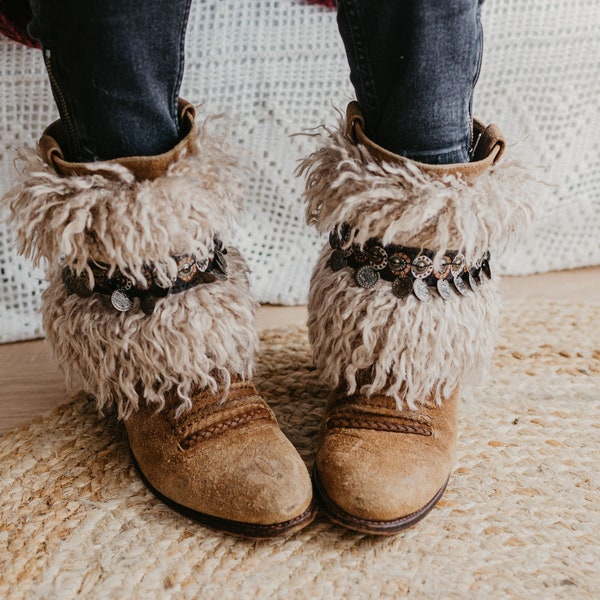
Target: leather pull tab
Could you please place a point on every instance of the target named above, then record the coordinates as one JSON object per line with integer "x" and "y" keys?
{"x": 355, "y": 118}
{"x": 490, "y": 143}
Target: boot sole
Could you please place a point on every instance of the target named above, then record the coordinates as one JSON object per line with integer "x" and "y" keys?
{"x": 341, "y": 517}
{"x": 236, "y": 528}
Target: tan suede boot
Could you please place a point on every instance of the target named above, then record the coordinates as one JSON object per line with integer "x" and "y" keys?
{"x": 152, "y": 312}
{"x": 403, "y": 308}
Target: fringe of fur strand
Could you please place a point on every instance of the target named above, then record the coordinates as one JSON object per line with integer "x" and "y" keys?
{"x": 193, "y": 340}
{"x": 413, "y": 351}
{"x": 106, "y": 215}
{"x": 370, "y": 341}
{"x": 402, "y": 204}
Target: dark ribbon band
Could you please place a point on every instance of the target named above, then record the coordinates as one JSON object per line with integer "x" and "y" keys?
{"x": 191, "y": 271}
{"x": 410, "y": 270}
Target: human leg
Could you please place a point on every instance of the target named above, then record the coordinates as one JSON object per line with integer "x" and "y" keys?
{"x": 148, "y": 304}
{"x": 403, "y": 301}
{"x": 115, "y": 68}
{"x": 414, "y": 65}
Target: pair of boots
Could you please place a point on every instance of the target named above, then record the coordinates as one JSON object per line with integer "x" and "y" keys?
{"x": 150, "y": 307}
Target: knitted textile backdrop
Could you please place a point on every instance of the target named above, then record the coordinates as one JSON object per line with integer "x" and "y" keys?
{"x": 276, "y": 67}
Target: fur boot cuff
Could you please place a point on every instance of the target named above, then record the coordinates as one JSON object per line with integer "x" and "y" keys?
{"x": 128, "y": 214}
{"x": 369, "y": 340}
{"x": 472, "y": 207}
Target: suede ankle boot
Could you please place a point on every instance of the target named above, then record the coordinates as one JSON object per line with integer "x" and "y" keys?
{"x": 403, "y": 308}
{"x": 150, "y": 310}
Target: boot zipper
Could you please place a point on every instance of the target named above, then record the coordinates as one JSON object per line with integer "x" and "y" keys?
{"x": 63, "y": 108}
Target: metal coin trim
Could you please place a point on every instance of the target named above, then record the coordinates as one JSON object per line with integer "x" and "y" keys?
{"x": 402, "y": 287}
{"x": 461, "y": 286}
{"x": 422, "y": 267}
{"x": 203, "y": 264}
{"x": 378, "y": 257}
{"x": 399, "y": 264}
{"x": 186, "y": 267}
{"x": 443, "y": 288}
{"x": 366, "y": 277}
{"x": 121, "y": 301}
{"x": 421, "y": 290}
{"x": 458, "y": 264}
{"x": 472, "y": 281}
{"x": 446, "y": 265}
{"x": 338, "y": 260}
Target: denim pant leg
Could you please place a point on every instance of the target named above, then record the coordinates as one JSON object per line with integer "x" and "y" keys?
{"x": 115, "y": 67}
{"x": 414, "y": 65}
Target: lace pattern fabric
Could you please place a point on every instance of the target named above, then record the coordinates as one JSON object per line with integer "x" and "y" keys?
{"x": 276, "y": 67}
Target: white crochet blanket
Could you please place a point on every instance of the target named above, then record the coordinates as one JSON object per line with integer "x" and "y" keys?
{"x": 277, "y": 67}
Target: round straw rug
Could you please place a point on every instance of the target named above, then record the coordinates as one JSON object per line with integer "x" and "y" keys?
{"x": 520, "y": 518}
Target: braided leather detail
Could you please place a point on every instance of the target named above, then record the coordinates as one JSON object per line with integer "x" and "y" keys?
{"x": 232, "y": 423}
{"x": 378, "y": 423}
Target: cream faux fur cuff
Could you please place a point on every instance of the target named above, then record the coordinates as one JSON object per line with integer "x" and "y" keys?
{"x": 370, "y": 341}
{"x": 109, "y": 216}
{"x": 399, "y": 203}
{"x": 192, "y": 340}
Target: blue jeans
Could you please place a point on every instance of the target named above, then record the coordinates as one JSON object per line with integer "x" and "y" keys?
{"x": 116, "y": 66}
{"x": 414, "y": 65}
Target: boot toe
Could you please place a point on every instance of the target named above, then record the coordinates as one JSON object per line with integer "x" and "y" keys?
{"x": 247, "y": 480}
{"x": 369, "y": 478}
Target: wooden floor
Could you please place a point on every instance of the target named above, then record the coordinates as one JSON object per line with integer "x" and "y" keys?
{"x": 30, "y": 382}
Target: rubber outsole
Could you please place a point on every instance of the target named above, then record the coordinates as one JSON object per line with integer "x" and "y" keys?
{"x": 236, "y": 528}
{"x": 339, "y": 516}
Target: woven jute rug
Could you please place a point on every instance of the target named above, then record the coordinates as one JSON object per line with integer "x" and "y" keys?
{"x": 520, "y": 518}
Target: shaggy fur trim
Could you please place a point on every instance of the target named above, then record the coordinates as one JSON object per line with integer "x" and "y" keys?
{"x": 193, "y": 340}
{"x": 370, "y": 341}
{"x": 402, "y": 204}
{"x": 108, "y": 216}
{"x": 410, "y": 350}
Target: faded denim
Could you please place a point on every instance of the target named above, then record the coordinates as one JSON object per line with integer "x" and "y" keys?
{"x": 115, "y": 68}
{"x": 414, "y": 65}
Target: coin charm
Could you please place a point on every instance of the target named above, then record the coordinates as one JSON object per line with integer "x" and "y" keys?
{"x": 378, "y": 257}
{"x": 421, "y": 290}
{"x": 366, "y": 277}
{"x": 402, "y": 287}
{"x": 121, "y": 301}
{"x": 443, "y": 288}
{"x": 445, "y": 267}
{"x": 472, "y": 281}
{"x": 359, "y": 255}
{"x": 399, "y": 264}
{"x": 461, "y": 286}
{"x": 485, "y": 268}
{"x": 203, "y": 264}
{"x": 186, "y": 267}
{"x": 338, "y": 260}
{"x": 422, "y": 266}
{"x": 458, "y": 264}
